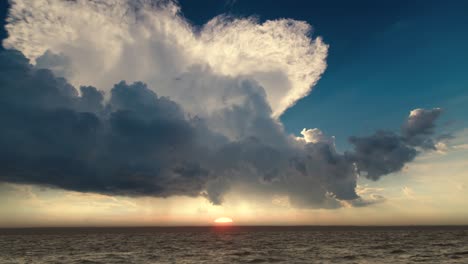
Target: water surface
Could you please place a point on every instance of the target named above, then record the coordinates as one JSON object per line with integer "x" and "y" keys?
{"x": 236, "y": 245}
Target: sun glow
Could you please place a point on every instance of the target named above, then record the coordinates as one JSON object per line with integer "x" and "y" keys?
{"x": 223, "y": 220}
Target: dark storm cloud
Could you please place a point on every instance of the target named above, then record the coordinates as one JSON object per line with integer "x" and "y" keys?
{"x": 419, "y": 127}
{"x": 138, "y": 143}
{"x": 380, "y": 154}
{"x": 386, "y": 152}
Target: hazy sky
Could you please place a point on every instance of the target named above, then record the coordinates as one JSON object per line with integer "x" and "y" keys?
{"x": 148, "y": 112}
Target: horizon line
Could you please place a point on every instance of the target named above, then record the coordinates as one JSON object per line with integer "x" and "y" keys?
{"x": 228, "y": 226}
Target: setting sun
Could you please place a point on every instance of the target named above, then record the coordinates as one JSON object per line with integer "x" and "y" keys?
{"x": 223, "y": 220}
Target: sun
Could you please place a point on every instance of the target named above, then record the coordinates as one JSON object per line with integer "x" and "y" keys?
{"x": 223, "y": 221}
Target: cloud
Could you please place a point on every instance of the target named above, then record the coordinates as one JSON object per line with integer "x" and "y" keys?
{"x": 380, "y": 154}
{"x": 419, "y": 126}
{"x": 408, "y": 192}
{"x": 136, "y": 144}
{"x": 315, "y": 135}
{"x": 140, "y": 144}
{"x": 386, "y": 152}
{"x": 196, "y": 116}
{"x": 361, "y": 202}
{"x": 101, "y": 42}
{"x": 230, "y": 3}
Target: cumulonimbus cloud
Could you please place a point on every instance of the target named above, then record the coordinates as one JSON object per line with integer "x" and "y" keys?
{"x": 227, "y": 83}
{"x": 138, "y": 143}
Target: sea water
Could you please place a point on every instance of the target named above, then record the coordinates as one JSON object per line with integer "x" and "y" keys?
{"x": 230, "y": 244}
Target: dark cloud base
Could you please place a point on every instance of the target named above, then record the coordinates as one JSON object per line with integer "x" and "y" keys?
{"x": 137, "y": 143}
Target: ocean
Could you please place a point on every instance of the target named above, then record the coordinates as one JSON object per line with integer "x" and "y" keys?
{"x": 231, "y": 244}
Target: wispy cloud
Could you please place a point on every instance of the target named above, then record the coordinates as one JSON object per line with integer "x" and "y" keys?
{"x": 230, "y": 3}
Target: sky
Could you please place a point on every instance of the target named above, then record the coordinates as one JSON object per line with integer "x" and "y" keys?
{"x": 294, "y": 112}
